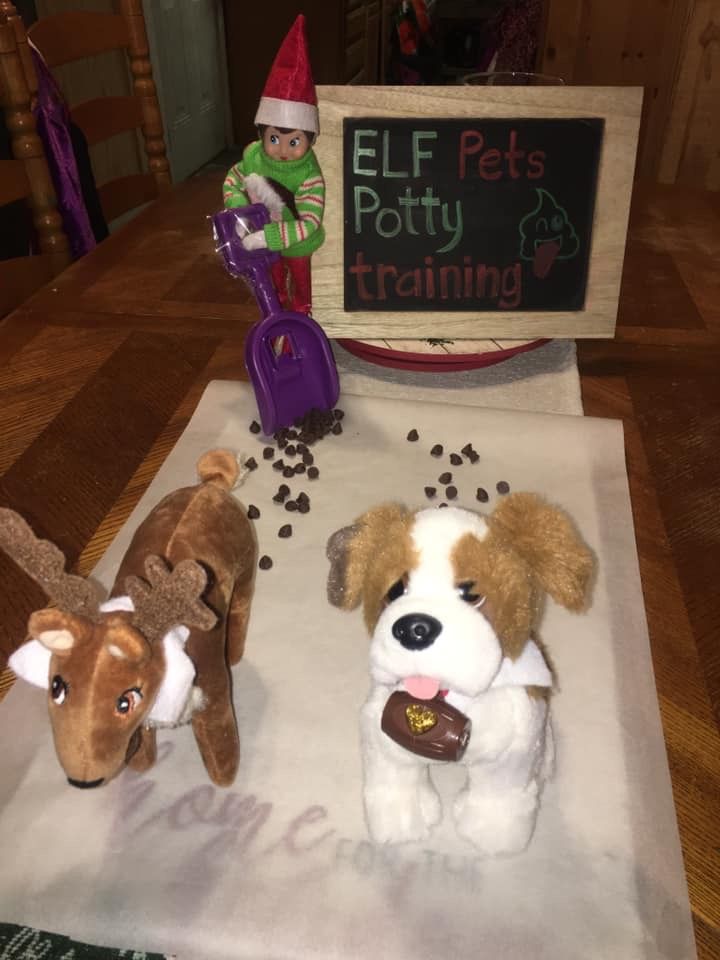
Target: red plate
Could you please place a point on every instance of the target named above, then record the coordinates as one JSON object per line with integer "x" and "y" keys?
{"x": 434, "y": 356}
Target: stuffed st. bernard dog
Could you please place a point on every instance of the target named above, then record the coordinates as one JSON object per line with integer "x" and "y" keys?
{"x": 451, "y": 599}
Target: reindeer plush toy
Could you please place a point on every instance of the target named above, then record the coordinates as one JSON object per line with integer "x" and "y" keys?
{"x": 452, "y": 600}
{"x": 156, "y": 653}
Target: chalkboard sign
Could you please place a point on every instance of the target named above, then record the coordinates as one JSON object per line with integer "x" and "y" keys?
{"x": 468, "y": 214}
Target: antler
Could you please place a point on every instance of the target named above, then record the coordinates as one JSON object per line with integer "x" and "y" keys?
{"x": 169, "y": 598}
{"x": 45, "y": 563}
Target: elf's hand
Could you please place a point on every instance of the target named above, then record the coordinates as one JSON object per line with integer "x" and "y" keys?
{"x": 255, "y": 241}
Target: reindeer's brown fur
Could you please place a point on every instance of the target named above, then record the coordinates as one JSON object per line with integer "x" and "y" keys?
{"x": 101, "y": 655}
{"x": 206, "y": 524}
{"x": 91, "y": 736}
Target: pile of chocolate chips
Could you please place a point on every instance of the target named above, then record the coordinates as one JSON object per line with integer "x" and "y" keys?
{"x": 457, "y": 459}
{"x": 291, "y": 457}
{"x": 311, "y": 427}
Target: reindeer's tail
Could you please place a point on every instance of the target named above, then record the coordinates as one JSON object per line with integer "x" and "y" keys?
{"x": 219, "y": 467}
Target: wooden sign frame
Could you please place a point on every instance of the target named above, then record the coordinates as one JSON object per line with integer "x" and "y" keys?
{"x": 620, "y": 109}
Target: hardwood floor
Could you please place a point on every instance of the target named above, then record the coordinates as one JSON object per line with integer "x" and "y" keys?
{"x": 661, "y": 377}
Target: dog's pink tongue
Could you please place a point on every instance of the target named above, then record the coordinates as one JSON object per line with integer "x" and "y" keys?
{"x": 422, "y": 688}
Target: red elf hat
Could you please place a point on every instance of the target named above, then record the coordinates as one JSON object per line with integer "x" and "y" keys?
{"x": 289, "y": 99}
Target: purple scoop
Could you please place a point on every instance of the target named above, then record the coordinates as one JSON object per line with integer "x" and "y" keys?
{"x": 229, "y": 229}
{"x": 300, "y": 377}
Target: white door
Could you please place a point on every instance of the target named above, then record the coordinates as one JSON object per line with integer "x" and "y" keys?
{"x": 187, "y": 45}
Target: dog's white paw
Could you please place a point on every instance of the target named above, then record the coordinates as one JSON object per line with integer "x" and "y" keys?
{"x": 497, "y": 825}
{"x": 394, "y": 820}
{"x": 430, "y": 805}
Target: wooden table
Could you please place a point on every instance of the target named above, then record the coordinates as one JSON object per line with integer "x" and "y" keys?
{"x": 101, "y": 371}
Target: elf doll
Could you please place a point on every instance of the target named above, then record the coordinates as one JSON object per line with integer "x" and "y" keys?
{"x": 281, "y": 171}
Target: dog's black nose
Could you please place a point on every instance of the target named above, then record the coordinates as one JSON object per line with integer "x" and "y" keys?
{"x": 416, "y": 630}
{"x": 85, "y": 784}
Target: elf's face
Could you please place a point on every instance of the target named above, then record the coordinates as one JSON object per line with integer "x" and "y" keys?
{"x": 285, "y": 146}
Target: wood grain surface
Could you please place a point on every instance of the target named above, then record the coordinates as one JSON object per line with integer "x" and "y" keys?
{"x": 100, "y": 372}
{"x": 671, "y": 49}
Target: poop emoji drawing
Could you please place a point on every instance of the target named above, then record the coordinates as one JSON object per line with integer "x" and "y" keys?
{"x": 547, "y": 235}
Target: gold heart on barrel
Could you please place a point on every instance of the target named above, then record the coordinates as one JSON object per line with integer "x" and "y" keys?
{"x": 420, "y": 719}
{"x": 430, "y": 728}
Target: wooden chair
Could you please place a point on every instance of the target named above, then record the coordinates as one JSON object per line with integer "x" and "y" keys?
{"x": 74, "y": 35}
{"x": 26, "y": 178}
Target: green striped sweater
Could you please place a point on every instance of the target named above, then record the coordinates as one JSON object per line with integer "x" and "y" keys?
{"x": 292, "y": 237}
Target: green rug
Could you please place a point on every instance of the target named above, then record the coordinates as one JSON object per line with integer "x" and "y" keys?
{"x": 26, "y": 943}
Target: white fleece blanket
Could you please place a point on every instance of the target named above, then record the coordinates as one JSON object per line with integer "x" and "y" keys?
{"x": 279, "y": 866}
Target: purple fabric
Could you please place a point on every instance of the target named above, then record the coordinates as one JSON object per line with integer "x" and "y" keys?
{"x": 53, "y": 119}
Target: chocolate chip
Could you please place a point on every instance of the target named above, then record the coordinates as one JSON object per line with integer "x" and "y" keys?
{"x": 336, "y": 428}
{"x": 502, "y": 486}
{"x": 472, "y": 455}
{"x": 437, "y": 450}
{"x": 282, "y": 492}
{"x": 308, "y": 458}
{"x": 278, "y": 465}
{"x": 303, "y": 506}
{"x": 289, "y": 471}
{"x": 292, "y": 434}
{"x": 300, "y": 447}
{"x": 290, "y": 449}
{"x": 255, "y": 427}
{"x": 313, "y": 473}
{"x": 253, "y": 512}
{"x": 251, "y": 463}
{"x": 482, "y": 495}
{"x": 299, "y": 468}
{"x": 285, "y": 531}
{"x": 268, "y": 453}
{"x": 291, "y": 505}
{"x": 430, "y": 492}
{"x": 265, "y": 562}
{"x": 413, "y": 435}
{"x": 302, "y": 496}
{"x": 455, "y": 459}
{"x": 451, "y": 492}
{"x": 445, "y": 477}
{"x": 282, "y": 442}
{"x": 338, "y": 414}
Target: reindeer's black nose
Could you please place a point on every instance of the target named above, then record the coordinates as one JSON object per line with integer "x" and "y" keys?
{"x": 85, "y": 784}
{"x": 416, "y": 630}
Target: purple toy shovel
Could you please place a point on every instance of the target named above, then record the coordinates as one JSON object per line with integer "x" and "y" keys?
{"x": 300, "y": 377}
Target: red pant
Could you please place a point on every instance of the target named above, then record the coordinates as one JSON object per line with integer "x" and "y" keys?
{"x": 291, "y": 276}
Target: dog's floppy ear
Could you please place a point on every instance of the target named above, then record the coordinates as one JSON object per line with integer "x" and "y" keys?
{"x": 338, "y": 551}
{"x": 350, "y": 550}
{"x": 546, "y": 539}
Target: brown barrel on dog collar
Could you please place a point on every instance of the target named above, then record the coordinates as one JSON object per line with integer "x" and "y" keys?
{"x": 430, "y": 728}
